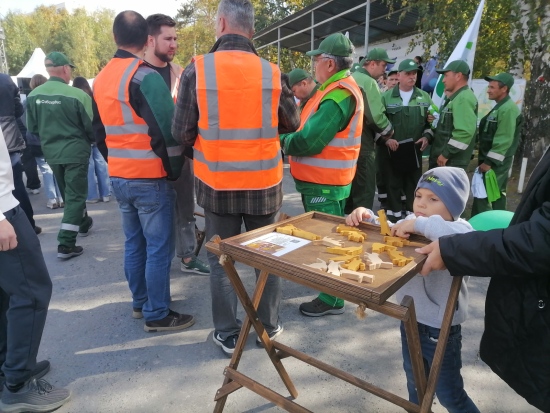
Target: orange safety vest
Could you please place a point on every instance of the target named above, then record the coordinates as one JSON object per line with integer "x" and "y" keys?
{"x": 127, "y": 137}
{"x": 237, "y": 146}
{"x": 336, "y": 164}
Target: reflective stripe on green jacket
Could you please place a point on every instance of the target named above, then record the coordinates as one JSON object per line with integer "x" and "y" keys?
{"x": 499, "y": 133}
{"x": 456, "y": 129}
{"x": 408, "y": 121}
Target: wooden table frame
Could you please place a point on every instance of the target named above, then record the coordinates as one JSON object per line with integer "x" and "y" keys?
{"x": 405, "y": 312}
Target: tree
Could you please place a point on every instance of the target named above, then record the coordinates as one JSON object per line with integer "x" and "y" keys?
{"x": 85, "y": 38}
{"x": 530, "y": 42}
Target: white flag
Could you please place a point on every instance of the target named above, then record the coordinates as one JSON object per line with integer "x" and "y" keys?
{"x": 464, "y": 50}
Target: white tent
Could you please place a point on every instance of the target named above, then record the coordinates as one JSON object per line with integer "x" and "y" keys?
{"x": 35, "y": 65}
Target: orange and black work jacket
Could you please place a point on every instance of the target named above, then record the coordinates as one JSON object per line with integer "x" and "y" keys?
{"x": 337, "y": 162}
{"x": 237, "y": 146}
{"x": 132, "y": 152}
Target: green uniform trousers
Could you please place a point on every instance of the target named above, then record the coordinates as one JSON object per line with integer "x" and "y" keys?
{"x": 72, "y": 179}
{"x": 328, "y": 206}
{"x": 399, "y": 185}
{"x": 363, "y": 185}
{"x": 482, "y": 204}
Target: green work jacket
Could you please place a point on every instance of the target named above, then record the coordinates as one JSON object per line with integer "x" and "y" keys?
{"x": 62, "y": 116}
{"x": 375, "y": 119}
{"x": 456, "y": 129}
{"x": 409, "y": 122}
{"x": 333, "y": 115}
{"x": 499, "y": 133}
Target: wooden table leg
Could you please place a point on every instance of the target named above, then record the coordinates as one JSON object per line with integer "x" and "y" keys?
{"x": 441, "y": 344}
{"x": 415, "y": 351}
{"x": 251, "y": 319}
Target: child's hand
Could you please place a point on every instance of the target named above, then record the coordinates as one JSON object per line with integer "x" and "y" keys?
{"x": 403, "y": 229}
{"x": 357, "y": 215}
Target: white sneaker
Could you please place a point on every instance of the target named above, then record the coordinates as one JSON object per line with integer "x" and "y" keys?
{"x": 106, "y": 199}
{"x": 52, "y": 204}
{"x": 33, "y": 191}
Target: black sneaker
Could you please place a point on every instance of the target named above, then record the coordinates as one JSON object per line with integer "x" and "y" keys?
{"x": 84, "y": 231}
{"x": 40, "y": 370}
{"x": 137, "y": 313}
{"x": 271, "y": 335}
{"x": 318, "y": 308}
{"x": 64, "y": 252}
{"x": 227, "y": 345}
{"x": 34, "y": 396}
{"x": 173, "y": 321}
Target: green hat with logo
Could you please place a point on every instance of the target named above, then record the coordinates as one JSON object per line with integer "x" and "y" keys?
{"x": 55, "y": 59}
{"x": 505, "y": 78}
{"x": 377, "y": 54}
{"x": 297, "y": 75}
{"x": 407, "y": 65}
{"x": 336, "y": 44}
{"x": 457, "y": 66}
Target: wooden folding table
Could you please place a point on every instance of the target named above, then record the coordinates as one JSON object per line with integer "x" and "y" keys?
{"x": 373, "y": 296}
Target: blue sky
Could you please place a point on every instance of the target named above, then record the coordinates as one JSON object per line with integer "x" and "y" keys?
{"x": 145, "y": 7}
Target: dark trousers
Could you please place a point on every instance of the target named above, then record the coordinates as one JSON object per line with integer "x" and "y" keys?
{"x": 30, "y": 167}
{"x": 224, "y": 299}
{"x": 25, "y": 294}
{"x": 363, "y": 185}
{"x": 20, "y": 193}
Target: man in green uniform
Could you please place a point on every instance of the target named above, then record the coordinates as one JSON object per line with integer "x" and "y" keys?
{"x": 454, "y": 141}
{"x": 375, "y": 122}
{"x": 303, "y": 86}
{"x": 324, "y": 151}
{"x": 399, "y": 158}
{"x": 499, "y": 134}
{"x": 62, "y": 116}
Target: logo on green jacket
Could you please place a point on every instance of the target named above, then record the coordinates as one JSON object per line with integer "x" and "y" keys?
{"x": 48, "y": 102}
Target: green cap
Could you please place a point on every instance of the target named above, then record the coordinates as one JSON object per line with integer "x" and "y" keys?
{"x": 55, "y": 59}
{"x": 505, "y": 78}
{"x": 377, "y": 54}
{"x": 407, "y": 65}
{"x": 297, "y": 75}
{"x": 354, "y": 67}
{"x": 457, "y": 66}
{"x": 336, "y": 44}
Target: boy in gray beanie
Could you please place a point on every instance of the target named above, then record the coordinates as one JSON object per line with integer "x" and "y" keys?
{"x": 440, "y": 198}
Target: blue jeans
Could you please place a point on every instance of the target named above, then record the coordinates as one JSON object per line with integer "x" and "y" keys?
{"x": 450, "y": 385}
{"x": 97, "y": 167}
{"x": 147, "y": 208}
{"x": 50, "y": 183}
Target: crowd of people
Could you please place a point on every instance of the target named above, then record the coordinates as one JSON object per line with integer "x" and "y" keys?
{"x": 153, "y": 134}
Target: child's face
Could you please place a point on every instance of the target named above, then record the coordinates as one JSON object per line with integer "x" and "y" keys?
{"x": 427, "y": 204}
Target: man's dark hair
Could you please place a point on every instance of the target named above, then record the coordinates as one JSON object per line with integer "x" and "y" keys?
{"x": 81, "y": 83}
{"x": 130, "y": 29}
{"x": 419, "y": 58}
{"x": 156, "y": 21}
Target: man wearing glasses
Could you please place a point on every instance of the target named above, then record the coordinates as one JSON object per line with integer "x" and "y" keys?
{"x": 324, "y": 150}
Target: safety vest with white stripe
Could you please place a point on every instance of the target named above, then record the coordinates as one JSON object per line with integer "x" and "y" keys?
{"x": 237, "y": 146}
{"x": 336, "y": 164}
{"x": 127, "y": 138}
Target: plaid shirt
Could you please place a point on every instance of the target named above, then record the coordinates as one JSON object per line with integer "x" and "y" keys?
{"x": 185, "y": 130}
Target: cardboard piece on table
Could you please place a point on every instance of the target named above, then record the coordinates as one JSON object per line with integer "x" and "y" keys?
{"x": 345, "y": 250}
{"x": 379, "y": 248}
{"x": 361, "y": 277}
{"x": 333, "y": 268}
{"x": 320, "y": 265}
{"x": 375, "y": 260}
{"x": 328, "y": 242}
{"x": 355, "y": 265}
{"x": 384, "y": 227}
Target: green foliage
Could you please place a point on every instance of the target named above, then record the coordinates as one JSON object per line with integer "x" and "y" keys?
{"x": 85, "y": 38}
{"x": 443, "y": 22}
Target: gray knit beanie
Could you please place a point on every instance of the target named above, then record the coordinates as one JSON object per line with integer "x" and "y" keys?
{"x": 450, "y": 185}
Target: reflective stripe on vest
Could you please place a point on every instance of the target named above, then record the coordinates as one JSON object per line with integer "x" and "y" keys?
{"x": 336, "y": 164}
{"x": 127, "y": 134}
{"x": 237, "y": 147}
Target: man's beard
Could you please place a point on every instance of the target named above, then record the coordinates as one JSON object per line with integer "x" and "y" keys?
{"x": 164, "y": 57}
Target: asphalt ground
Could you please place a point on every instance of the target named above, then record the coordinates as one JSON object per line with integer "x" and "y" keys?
{"x": 111, "y": 364}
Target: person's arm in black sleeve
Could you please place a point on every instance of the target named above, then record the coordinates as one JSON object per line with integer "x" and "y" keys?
{"x": 18, "y": 106}
{"x": 99, "y": 132}
{"x": 521, "y": 250}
